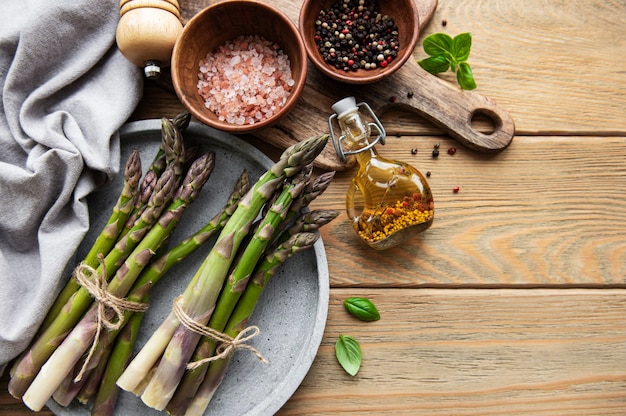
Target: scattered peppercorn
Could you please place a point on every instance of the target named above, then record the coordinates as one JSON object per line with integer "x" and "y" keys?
{"x": 452, "y": 151}
{"x": 435, "y": 153}
{"x": 444, "y": 22}
{"x": 410, "y": 94}
{"x": 456, "y": 189}
{"x": 354, "y": 34}
{"x": 393, "y": 98}
{"x": 414, "y": 151}
{"x": 428, "y": 174}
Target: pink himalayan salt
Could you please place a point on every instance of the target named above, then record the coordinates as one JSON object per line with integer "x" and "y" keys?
{"x": 246, "y": 80}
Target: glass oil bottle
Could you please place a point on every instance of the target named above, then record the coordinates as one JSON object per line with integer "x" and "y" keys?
{"x": 388, "y": 201}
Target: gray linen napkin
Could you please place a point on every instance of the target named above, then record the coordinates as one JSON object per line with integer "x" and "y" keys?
{"x": 66, "y": 90}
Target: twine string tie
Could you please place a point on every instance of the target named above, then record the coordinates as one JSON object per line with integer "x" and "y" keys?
{"x": 227, "y": 344}
{"x": 96, "y": 285}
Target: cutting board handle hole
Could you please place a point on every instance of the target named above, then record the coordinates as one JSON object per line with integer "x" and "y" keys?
{"x": 485, "y": 121}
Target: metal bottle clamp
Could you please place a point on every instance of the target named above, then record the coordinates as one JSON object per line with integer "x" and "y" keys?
{"x": 376, "y": 125}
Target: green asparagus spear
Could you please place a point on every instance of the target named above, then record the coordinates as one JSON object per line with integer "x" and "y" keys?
{"x": 108, "y": 393}
{"x": 310, "y": 221}
{"x": 175, "y": 148}
{"x": 313, "y": 189}
{"x": 181, "y": 120}
{"x": 170, "y": 154}
{"x": 146, "y": 187}
{"x": 168, "y": 143}
{"x": 105, "y": 241}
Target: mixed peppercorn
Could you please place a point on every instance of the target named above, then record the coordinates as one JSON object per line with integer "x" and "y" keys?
{"x": 354, "y": 34}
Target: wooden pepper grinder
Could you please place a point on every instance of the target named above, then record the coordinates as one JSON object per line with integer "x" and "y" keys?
{"x": 147, "y": 31}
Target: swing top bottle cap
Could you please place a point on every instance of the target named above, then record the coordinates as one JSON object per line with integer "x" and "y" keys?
{"x": 344, "y": 106}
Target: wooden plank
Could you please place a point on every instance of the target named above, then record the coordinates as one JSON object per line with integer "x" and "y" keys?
{"x": 536, "y": 59}
{"x": 14, "y": 407}
{"x": 512, "y": 40}
{"x": 188, "y": 8}
{"x": 474, "y": 352}
{"x": 467, "y": 352}
{"x": 547, "y": 211}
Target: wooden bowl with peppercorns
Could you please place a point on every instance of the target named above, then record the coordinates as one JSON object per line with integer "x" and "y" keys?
{"x": 359, "y": 41}
{"x": 239, "y": 66}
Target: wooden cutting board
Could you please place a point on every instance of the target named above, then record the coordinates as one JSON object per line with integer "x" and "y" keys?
{"x": 439, "y": 101}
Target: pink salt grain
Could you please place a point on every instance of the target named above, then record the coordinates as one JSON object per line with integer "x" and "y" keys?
{"x": 246, "y": 80}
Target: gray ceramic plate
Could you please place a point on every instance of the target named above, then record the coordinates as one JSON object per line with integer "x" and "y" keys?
{"x": 291, "y": 312}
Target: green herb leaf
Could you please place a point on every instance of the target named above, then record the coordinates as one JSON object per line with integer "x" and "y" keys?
{"x": 435, "y": 64}
{"x": 362, "y": 308}
{"x": 449, "y": 53}
{"x": 465, "y": 77}
{"x": 348, "y": 353}
{"x": 461, "y": 45}
{"x": 437, "y": 44}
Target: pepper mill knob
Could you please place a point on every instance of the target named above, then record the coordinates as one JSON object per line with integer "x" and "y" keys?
{"x": 147, "y": 31}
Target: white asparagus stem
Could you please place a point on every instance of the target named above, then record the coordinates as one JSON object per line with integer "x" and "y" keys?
{"x": 149, "y": 355}
{"x": 57, "y": 367}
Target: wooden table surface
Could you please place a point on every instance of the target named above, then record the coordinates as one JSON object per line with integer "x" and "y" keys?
{"x": 514, "y": 302}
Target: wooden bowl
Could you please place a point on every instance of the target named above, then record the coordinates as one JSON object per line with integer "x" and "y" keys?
{"x": 403, "y": 12}
{"x": 222, "y": 22}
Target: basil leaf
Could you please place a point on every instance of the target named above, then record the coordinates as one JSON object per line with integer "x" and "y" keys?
{"x": 348, "y": 353}
{"x": 465, "y": 77}
{"x": 437, "y": 44}
{"x": 362, "y": 308}
{"x": 461, "y": 45}
{"x": 435, "y": 64}
{"x": 449, "y": 53}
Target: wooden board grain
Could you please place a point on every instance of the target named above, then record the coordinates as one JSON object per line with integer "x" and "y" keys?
{"x": 547, "y": 212}
{"x": 440, "y": 102}
{"x": 474, "y": 352}
{"x": 544, "y": 61}
{"x": 466, "y": 352}
{"x": 188, "y": 8}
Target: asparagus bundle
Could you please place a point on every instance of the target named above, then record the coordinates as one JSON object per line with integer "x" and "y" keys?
{"x": 200, "y": 383}
{"x": 289, "y": 240}
{"x": 69, "y": 315}
{"x": 101, "y": 379}
{"x": 163, "y": 360}
{"x": 70, "y": 351}
{"x": 216, "y": 370}
{"x": 74, "y": 321}
{"x": 124, "y": 254}
{"x": 107, "y": 390}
